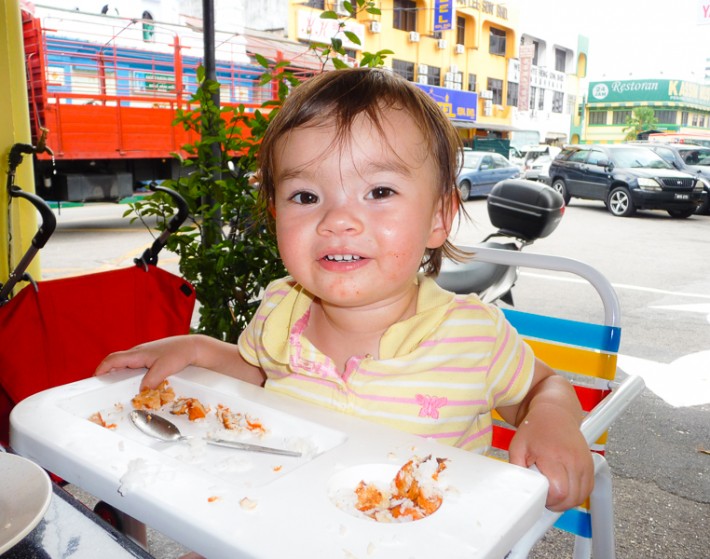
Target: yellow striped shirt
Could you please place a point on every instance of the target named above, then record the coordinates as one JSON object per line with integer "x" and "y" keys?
{"x": 438, "y": 375}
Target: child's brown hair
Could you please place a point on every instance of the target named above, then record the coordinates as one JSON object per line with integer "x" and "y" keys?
{"x": 338, "y": 97}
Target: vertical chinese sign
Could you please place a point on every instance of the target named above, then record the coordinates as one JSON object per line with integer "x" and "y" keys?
{"x": 527, "y": 52}
{"x": 443, "y": 15}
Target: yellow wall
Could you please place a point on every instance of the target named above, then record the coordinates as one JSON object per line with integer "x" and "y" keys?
{"x": 14, "y": 127}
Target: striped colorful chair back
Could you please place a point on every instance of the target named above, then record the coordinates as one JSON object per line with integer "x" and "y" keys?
{"x": 584, "y": 353}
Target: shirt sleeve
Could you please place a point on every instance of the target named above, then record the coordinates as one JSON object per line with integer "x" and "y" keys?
{"x": 250, "y": 338}
{"x": 512, "y": 364}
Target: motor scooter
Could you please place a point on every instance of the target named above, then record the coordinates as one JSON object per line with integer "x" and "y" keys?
{"x": 523, "y": 211}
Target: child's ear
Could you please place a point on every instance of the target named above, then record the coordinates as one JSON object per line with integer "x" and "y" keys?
{"x": 443, "y": 219}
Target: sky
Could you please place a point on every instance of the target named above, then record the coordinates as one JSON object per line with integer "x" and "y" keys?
{"x": 629, "y": 39}
{"x": 634, "y": 39}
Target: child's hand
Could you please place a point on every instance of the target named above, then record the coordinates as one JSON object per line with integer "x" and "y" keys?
{"x": 162, "y": 358}
{"x": 549, "y": 437}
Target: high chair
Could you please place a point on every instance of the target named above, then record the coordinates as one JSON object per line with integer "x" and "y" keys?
{"x": 586, "y": 354}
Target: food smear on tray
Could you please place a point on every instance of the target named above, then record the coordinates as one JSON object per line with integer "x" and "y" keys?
{"x": 99, "y": 420}
{"x": 413, "y": 494}
{"x": 154, "y": 398}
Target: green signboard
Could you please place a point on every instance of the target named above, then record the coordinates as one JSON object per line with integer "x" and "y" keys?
{"x": 638, "y": 91}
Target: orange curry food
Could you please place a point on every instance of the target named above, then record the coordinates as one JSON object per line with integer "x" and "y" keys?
{"x": 164, "y": 397}
{"x": 412, "y": 495}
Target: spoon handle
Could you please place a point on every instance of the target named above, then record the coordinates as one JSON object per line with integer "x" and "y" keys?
{"x": 252, "y": 447}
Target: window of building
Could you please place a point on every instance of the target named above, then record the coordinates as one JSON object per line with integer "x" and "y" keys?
{"x": 694, "y": 119}
{"x": 597, "y": 117}
{"x": 666, "y": 117}
{"x": 540, "y": 99}
{"x": 536, "y": 44}
{"x": 404, "y": 15}
{"x": 701, "y": 121}
{"x": 460, "y": 30}
{"x": 472, "y": 82}
{"x": 319, "y": 4}
{"x": 403, "y": 68}
{"x": 512, "y": 98}
{"x": 619, "y": 117}
{"x": 496, "y": 41}
{"x": 533, "y": 94}
{"x": 496, "y": 86}
{"x": 560, "y": 60}
{"x": 684, "y": 118}
{"x": 432, "y": 75}
{"x": 558, "y": 100}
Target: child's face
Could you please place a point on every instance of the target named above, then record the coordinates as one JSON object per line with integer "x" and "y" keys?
{"x": 353, "y": 223}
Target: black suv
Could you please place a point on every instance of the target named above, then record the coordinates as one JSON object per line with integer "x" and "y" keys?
{"x": 689, "y": 159}
{"x": 626, "y": 178}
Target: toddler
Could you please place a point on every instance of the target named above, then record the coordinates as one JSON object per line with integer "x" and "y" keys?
{"x": 358, "y": 171}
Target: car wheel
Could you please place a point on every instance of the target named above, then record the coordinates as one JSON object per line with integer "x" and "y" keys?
{"x": 465, "y": 190}
{"x": 560, "y": 186}
{"x": 704, "y": 208}
{"x": 620, "y": 203}
{"x": 681, "y": 214}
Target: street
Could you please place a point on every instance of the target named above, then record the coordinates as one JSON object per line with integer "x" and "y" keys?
{"x": 660, "y": 450}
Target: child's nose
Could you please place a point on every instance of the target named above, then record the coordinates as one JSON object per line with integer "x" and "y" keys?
{"x": 340, "y": 218}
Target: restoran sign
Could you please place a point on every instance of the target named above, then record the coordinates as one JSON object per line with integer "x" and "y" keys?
{"x": 649, "y": 90}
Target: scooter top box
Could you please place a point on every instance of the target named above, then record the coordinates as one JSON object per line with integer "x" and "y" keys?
{"x": 525, "y": 209}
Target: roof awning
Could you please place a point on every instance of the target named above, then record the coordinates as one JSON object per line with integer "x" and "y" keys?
{"x": 298, "y": 54}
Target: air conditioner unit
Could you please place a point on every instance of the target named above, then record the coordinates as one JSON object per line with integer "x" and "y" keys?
{"x": 487, "y": 111}
{"x": 422, "y": 69}
{"x": 413, "y": 37}
{"x": 339, "y": 7}
{"x": 422, "y": 79}
{"x": 487, "y": 94}
{"x": 441, "y": 44}
{"x": 460, "y": 49}
{"x": 375, "y": 27}
{"x": 454, "y": 68}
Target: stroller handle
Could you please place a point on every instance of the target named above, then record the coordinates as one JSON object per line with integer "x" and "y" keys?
{"x": 46, "y": 228}
{"x": 150, "y": 256}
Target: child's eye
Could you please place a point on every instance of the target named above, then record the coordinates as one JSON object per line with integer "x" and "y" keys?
{"x": 381, "y": 192}
{"x": 304, "y": 198}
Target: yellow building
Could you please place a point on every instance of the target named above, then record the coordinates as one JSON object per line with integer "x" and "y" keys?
{"x": 465, "y": 53}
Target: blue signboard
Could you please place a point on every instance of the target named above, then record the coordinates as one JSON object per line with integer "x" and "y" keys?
{"x": 443, "y": 15}
{"x": 458, "y": 105}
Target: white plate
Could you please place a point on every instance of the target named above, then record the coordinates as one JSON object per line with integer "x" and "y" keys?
{"x": 25, "y": 492}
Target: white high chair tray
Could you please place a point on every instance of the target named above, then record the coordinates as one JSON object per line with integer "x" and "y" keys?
{"x": 222, "y": 502}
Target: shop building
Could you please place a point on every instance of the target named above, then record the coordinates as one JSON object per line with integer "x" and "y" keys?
{"x": 680, "y": 107}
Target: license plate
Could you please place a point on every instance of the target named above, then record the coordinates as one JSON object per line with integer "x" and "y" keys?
{"x": 682, "y": 196}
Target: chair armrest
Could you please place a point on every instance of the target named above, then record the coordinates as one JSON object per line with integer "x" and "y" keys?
{"x": 610, "y": 408}
{"x": 596, "y": 422}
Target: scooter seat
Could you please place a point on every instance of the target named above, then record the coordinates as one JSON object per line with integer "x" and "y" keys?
{"x": 472, "y": 276}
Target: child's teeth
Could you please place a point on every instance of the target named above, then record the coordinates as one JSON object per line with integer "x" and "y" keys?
{"x": 340, "y": 257}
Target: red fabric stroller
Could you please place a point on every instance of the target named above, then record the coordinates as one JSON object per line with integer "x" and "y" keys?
{"x": 57, "y": 331}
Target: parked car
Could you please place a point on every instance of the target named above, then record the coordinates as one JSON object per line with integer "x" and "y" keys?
{"x": 693, "y": 159}
{"x": 626, "y": 178}
{"x": 481, "y": 171}
{"x": 537, "y": 161}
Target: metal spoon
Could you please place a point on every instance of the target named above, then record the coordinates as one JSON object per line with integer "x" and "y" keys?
{"x": 161, "y": 428}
